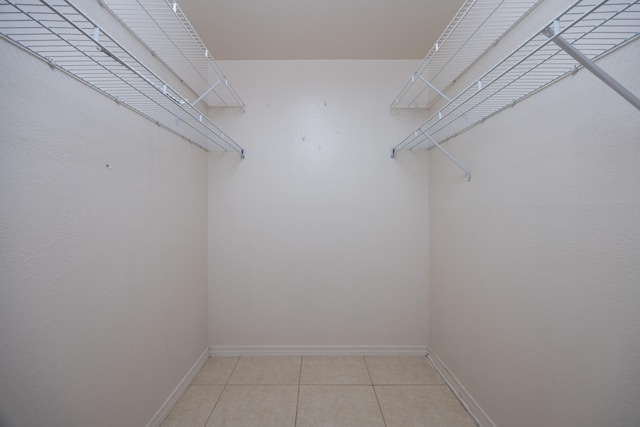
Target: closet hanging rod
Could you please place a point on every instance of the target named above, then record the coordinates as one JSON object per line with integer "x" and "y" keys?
{"x": 59, "y": 33}
{"x": 552, "y": 33}
{"x": 594, "y": 29}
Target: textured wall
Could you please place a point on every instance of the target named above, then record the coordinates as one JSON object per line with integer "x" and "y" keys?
{"x": 103, "y": 277}
{"x": 318, "y": 238}
{"x": 534, "y": 296}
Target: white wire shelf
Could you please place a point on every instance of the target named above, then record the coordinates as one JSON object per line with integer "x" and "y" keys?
{"x": 590, "y": 27}
{"x": 165, "y": 30}
{"x": 478, "y": 25}
{"x": 59, "y": 33}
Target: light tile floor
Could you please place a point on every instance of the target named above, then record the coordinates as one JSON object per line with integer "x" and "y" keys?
{"x": 318, "y": 391}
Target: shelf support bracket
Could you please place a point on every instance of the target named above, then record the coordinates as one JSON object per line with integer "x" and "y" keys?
{"x": 552, "y": 32}
{"x": 193, "y": 104}
{"x": 436, "y": 90}
{"x": 449, "y": 156}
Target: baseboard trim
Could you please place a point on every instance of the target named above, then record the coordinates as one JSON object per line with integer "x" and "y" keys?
{"x": 177, "y": 392}
{"x": 475, "y": 411}
{"x": 257, "y": 351}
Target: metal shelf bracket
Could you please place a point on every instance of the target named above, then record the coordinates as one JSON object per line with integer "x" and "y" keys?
{"x": 442, "y": 95}
{"x": 449, "y": 156}
{"x": 392, "y": 153}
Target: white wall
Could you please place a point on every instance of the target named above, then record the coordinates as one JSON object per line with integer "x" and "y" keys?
{"x": 534, "y": 272}
{"x": 318, "y": 238}
{"x": 103, "y": 277}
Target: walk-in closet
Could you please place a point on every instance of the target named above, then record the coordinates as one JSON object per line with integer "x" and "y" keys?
{"x": 304, "y": 214}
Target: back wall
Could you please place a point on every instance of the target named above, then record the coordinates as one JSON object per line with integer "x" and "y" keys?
{"x": 317, "y": 237}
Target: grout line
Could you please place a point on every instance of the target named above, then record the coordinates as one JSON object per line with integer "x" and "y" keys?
{"x": 263, "y": 384}
{"x": 343, "y": 385}
{"x": 374, "y": 391}
{"x": 409, "y": 385}
{"x": 295, "y": 422}
{"x": 221, "y": 393}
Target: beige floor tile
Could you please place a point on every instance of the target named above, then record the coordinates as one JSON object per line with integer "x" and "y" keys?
{"x": 334, "y": 370}
{"x": 216, "y": 371}
{"x": 402, "y": 370}
{"x": 421, "y": 406}
{"x": 194, "y": 408}
{"x": 266, "y": 370}
{"x": 256, "y": 406}
{"x": 338, "y": 405}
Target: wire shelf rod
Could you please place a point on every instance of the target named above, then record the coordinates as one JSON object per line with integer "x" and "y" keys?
{"x": 59, "y": 33}
{"x": 533, "y": 65}
{"x": 478, "y": 25}
{"x": 166, "y": 31}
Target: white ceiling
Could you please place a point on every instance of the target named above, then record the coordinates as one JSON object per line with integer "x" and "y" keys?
{"x": 319, "y": 29}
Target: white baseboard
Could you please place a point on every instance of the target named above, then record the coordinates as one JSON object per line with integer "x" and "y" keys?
{"x": 472, "y": 407}
{"x": 177, "y": 393}
{"x": 239, "y": 351}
